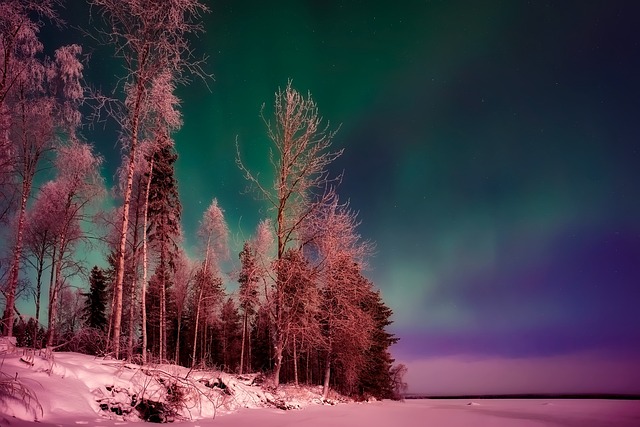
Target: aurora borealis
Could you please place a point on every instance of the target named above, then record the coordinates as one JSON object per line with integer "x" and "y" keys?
{"x": 492, "y": 150}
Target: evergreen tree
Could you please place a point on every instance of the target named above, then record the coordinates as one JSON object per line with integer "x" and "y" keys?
{"x": 96, "y": 303}
{"x": 248, "y": 296}
{"x": 376, "y": 377}
{"x": 230, "y": 331}
{"x": 164, "y": 227}
{"x": 261, "y": 342}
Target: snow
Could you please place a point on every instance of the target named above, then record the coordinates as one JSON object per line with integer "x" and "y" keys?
{"x": 68, "y": 388}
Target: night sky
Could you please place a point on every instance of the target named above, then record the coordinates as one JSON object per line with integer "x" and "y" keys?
{"x": 491, "y": 148}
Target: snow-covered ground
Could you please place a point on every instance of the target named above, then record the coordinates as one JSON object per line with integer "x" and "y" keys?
{"x": 68, "y": 388}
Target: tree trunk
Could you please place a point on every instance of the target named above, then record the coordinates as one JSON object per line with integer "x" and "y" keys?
{"x": 52, "y": 278}
{"x": 249, "y": 364}
{"x": 15, "y": 263}
{"x": 132, "y": 296}
{"x": 205, "y": 345}
{"x": 244, "y": 334}
{"x": 117, "y": 312}
{"x": 134, "y": 279}
{"x": 295, "y": 362}
{"x": 278, "y": 347}
{"x": 143, "y": 292}
{"x": 53, "y": 293}
{"x": 205, "y": 266}
{"x": 195, "y": 335}
{"x": 39, "y": 289}
{"x": 327, "y": 376}
{"x": 163, "y": 320}
{"x": 177, "y": 358}
{"x": 307, "y": 373}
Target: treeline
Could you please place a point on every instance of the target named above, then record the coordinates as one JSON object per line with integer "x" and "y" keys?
{"x": 304, "y": 312}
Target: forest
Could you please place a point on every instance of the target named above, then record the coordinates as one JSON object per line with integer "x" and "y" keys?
{"x": 301, "y": 309}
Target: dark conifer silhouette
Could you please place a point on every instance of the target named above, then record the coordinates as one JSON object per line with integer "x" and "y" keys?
{"x": 96, "y": 303}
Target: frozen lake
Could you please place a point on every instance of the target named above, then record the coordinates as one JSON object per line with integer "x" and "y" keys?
{"x": 421, "y": 412}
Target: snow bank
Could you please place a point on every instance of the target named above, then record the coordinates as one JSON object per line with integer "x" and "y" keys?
{"x": 66, "y": 386}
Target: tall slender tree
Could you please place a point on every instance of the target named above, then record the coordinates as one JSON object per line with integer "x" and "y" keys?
{"x": 78, "y": 184}
{"x": 214, "y": 235}
{"x": 182, "y": 287}
{"x": 164, "y": 228}
{"x": 152, "y": 38}
{"x": 247, "y": 294}
{"x": 302, "y": 154}
{"x": 44, "y": 103}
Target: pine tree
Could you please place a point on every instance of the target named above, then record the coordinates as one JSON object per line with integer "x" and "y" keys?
{"x": 96, "y": 303}
{"x": 164, "y": 225}
{"x": 248, "y": 295}
{"x": 376, "y": 375}
{"x": 261, "y": 342}
{"x": 230, "y": 331}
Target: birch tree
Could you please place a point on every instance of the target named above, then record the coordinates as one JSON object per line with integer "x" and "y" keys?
{"x": 78, "y": 184}
{"x": 19, "y": 39}
{"x": 20, "y": 23}
{"x": 39, "y": 242}
{"x": 152, "y": 38}
{"x": 44, "y": 102}
{"x": 300, "y": 156}
{"x": 214, "y": 235}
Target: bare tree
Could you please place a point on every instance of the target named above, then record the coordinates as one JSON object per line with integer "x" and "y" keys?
{"x": 152, "y": 38}
{"x": 45, "y": 102}
{"x": 78, "y": 184}
{"x": 39, "y": 243}
{"x": 20, "y": 23}
{"x": 300, "y": 156}
{"x": 214, "y": 234}
{"x": 19, "y": 39}
{"x": 398, "y": 383}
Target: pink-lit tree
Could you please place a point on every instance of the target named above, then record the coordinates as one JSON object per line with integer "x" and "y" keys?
{"x": 20, "y": 23}
{"x": 300, "y": 157}
{"x": 248, "y": 281}
{"x": 44, "y": 101}
{"x": 255, "y": 268}
{"x": 40, "y": 237}
{"x": 184, "y": 272}
{"x": 77, "y": 185}
{"x": 332, "y": 236}
{"x": 152, "y": 38}
{"x": 214, "y": 235}
{"x": 19, "y": 39}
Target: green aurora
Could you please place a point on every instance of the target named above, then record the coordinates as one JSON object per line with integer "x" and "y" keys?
{"x": 491, "y": 149}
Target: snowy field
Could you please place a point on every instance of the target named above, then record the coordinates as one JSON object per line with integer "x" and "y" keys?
{"x": 436, "y": 413}
{"x": 65, "y": 389}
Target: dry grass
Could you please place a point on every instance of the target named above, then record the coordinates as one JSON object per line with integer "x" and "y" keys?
{"x": 12, "y": 389}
